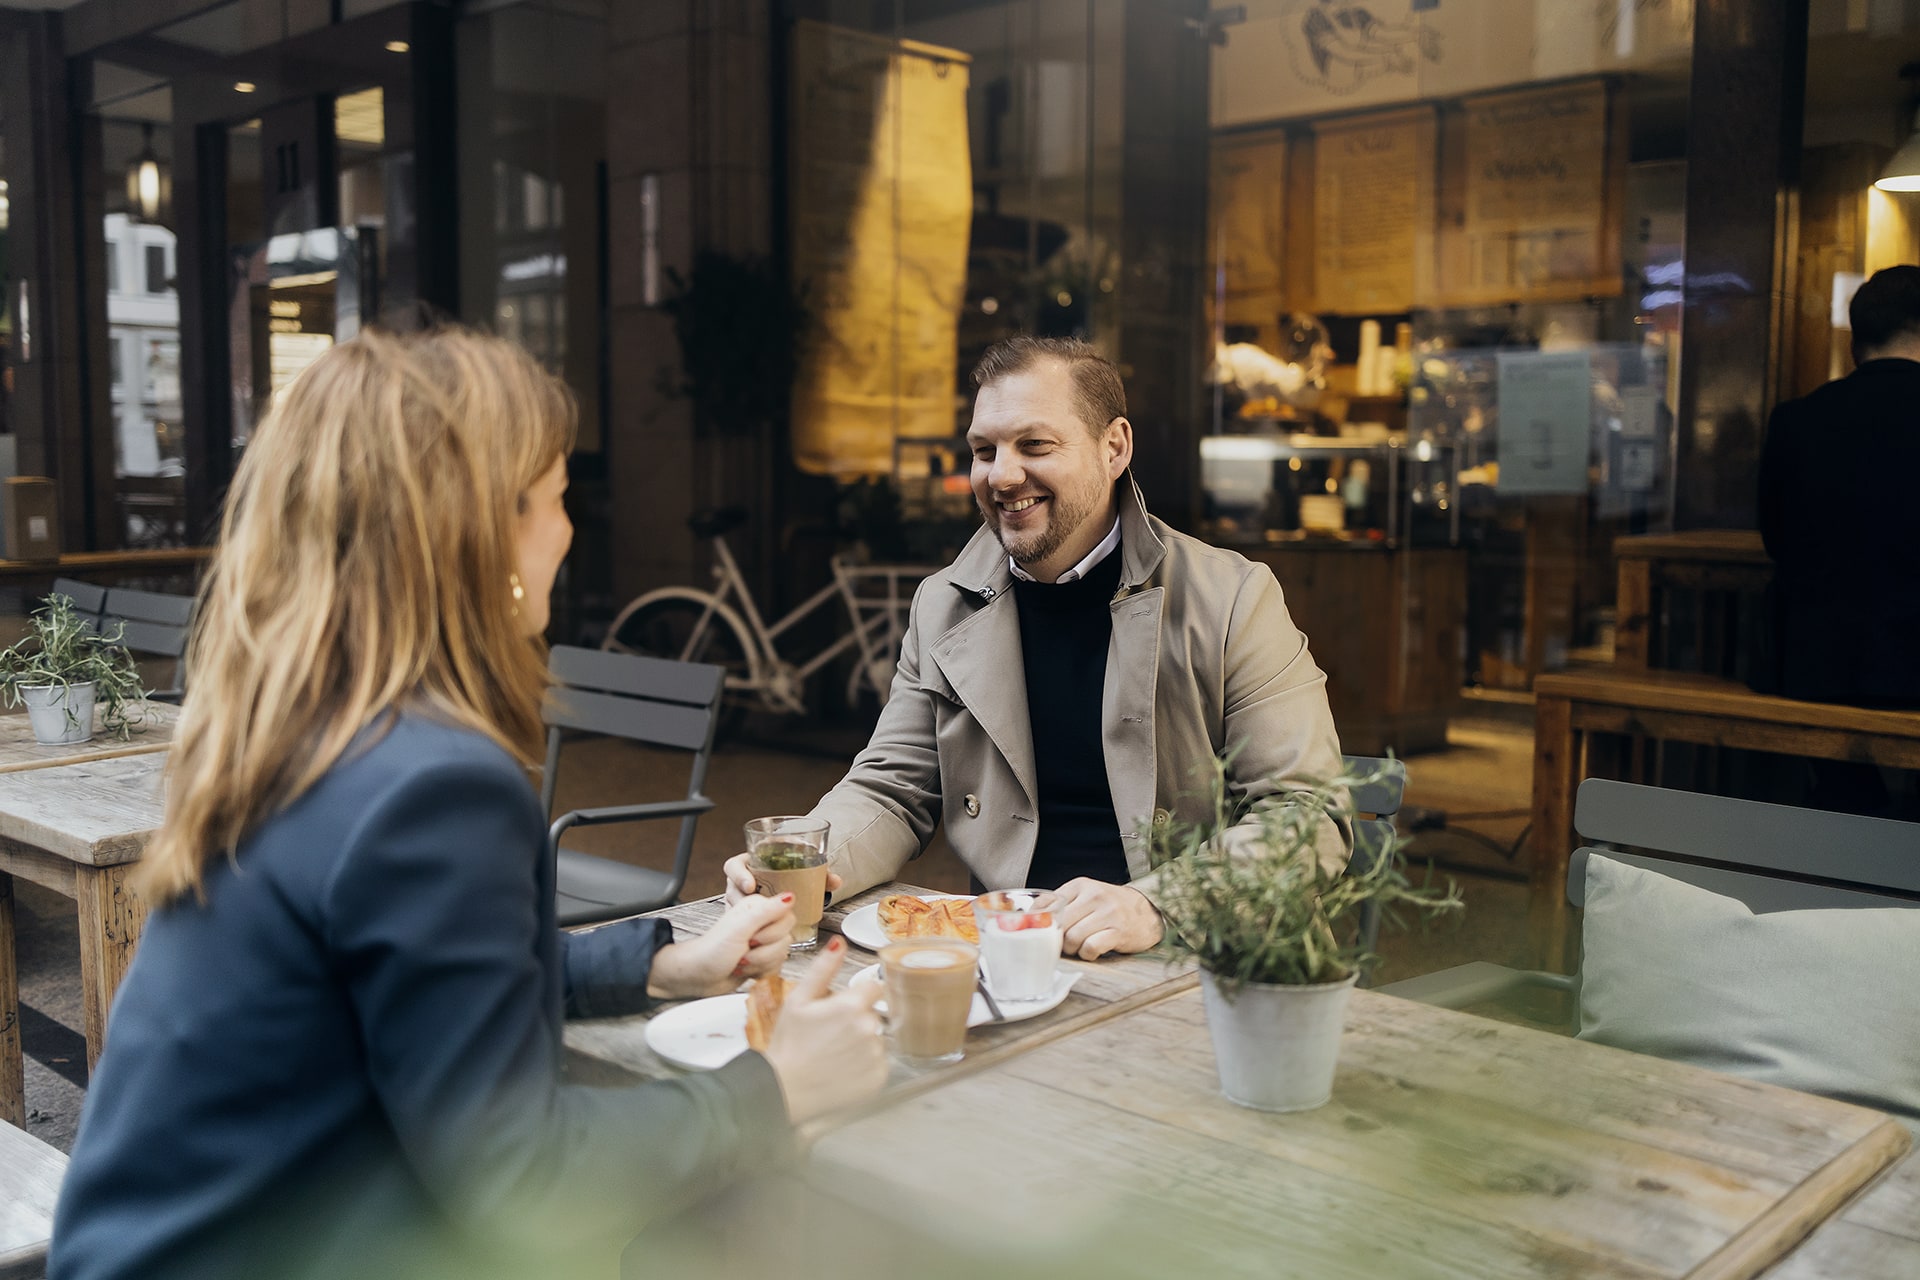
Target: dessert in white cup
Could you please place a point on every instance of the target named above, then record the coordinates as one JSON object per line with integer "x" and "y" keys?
{"x": 1019, "y": 945}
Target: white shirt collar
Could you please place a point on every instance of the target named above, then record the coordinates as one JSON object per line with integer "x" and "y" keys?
{"x": 1081, "y": 570}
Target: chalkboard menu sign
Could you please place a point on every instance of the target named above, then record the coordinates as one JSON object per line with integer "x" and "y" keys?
{"x": 1538, "y": 193}
{"x": 1374, "y": 183}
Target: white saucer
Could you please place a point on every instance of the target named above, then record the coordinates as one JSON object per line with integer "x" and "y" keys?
{"x": 701, "y": 1035}
{"x": 980, "y": 1016}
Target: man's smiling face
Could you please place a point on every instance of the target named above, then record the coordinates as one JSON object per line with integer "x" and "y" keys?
{"x": 1042, "y": 476}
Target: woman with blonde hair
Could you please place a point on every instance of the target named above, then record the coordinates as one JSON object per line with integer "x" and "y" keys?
{"x": 337, "y": 1051}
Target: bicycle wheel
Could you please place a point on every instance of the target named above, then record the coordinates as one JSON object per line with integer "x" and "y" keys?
{"x": 684, "y": 629}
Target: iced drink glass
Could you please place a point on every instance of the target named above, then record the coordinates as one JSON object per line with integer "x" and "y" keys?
{"x": 930, "y": 984}
{"x": 789, "y": 855}
{"x": 1019, "y": 945}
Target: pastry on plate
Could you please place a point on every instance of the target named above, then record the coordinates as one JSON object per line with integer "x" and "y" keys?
{"x": 904, "y": 916}
{"x": 763, "y": 1009}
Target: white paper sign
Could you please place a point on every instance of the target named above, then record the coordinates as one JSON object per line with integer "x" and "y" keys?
{"x": 1636, "y": 466}
{"x": 1639, "y": 412}
{"x": 1546, "y": 411}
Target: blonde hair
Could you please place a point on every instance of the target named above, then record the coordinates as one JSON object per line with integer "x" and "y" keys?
{"x": 365, "y": 564}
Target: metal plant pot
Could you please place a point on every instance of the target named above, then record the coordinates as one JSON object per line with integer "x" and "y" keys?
{"x": 59, "y": 713}
{"x": 1276, "y": 1046}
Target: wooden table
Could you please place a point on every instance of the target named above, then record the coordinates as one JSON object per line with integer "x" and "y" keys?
{"x": 1877, "y": 1237}
{"x": 1106, "y": 989}
{"x": 76, "y": 829}
{"x": 1453, "y": 1147}
{"x": 1579, "y": 716}
{"x": 80, "y": 564}
{"x": 1094, "y": 1141}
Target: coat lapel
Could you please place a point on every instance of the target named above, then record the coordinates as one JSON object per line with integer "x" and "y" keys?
{"x": 1126, "y": 720}
{"x": 981, "y": 659}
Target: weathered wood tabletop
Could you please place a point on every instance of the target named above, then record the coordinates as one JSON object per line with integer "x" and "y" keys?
{"x": 19, "y": 751}
{"x": 1106, "y": 989}
{"x": 1453, "y": 1146}
{"x": 76, "y": 829}
{"x": 30, "y": 1174}
{"x": 1877, "y": 1237}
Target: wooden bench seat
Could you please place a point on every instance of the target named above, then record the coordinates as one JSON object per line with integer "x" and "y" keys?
{"x": 30, "y": 1174}
{"x": 1673, "y": 706}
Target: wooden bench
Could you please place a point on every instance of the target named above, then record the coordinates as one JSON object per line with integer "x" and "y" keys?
{"x": 30, "y": 1174}
{"x": 1571, "y": 709}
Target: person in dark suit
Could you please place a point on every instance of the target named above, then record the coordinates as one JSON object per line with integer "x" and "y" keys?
{"x": 1839, "y": 491}
{"x": 337, "y": 1051}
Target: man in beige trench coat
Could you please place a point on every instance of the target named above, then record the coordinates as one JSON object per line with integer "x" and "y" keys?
{"x": 1065, "y": 681}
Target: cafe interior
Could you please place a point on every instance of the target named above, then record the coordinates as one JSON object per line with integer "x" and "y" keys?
{"x": 1467, "y": 319}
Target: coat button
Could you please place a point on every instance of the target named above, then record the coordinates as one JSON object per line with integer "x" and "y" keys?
{"x": 1162, "y": 818}
{"x": 973, "y": 806}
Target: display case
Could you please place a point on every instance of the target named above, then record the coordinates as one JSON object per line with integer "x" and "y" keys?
{"x": 1361, "y": 531}
{"x": 1273, "y": 487}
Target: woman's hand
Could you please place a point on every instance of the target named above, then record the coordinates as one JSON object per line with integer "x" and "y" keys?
{"x": 749, "y": 940}
{"x": 827, "y": 1049}
{"x": 741, "y": 884}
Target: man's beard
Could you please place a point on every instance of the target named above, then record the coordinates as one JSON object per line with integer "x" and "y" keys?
{"x": 1062, "y": 521}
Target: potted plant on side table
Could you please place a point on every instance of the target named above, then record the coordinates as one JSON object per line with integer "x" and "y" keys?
{"x": 63, "y": 668}
{"x": 1275, "y": 934}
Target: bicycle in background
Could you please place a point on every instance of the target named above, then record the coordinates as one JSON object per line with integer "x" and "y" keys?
{"x": 724, "y": 626}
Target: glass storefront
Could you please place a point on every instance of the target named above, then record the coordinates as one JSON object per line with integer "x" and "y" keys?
{"x": 1451, "y": 235}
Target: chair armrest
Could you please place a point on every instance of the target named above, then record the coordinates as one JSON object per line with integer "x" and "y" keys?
{"x": 629, "y": 813}
{"x": 1475, "y": 983}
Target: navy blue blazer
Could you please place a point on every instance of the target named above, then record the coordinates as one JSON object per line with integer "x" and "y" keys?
{"x": 346, "y": 1061}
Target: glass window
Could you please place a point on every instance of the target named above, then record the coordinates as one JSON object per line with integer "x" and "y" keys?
{"x": 157, "y": 277}
{"x": 988, "y": 138}
{"x": 1446, "y": 305}
{"x": 533, "y": 86}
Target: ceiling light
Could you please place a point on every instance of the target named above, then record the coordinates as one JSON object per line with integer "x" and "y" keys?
{"x": 398, "y": 46}
{"x": 1903, "y": 171}
{"x": 244, "y": 86}
{"x": 149, "y": 182}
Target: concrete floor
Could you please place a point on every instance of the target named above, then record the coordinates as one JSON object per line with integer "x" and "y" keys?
{"x": 1481, "y": 781}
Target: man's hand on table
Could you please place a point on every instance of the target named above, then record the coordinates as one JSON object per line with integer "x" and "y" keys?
{"x": 750, "y": 940}
{"x": 1098, "y": 917}
{"x": 740, "y": 882}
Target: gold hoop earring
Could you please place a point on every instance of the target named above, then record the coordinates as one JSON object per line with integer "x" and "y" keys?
{"x": 519, "y": 592}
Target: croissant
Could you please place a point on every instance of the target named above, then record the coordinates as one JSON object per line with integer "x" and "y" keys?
{"x": 904, "y": 916}
{"x": 763, "y": 1009}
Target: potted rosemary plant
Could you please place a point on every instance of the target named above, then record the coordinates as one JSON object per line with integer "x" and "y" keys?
{"x": 63, "y": 668}
{"x": 1276, "y": 935}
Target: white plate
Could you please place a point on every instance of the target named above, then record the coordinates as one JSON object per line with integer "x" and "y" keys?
{"x": 701, "y": 1035}
{"x": 862, "y": 927}
{"x": 1010, "y": 1010}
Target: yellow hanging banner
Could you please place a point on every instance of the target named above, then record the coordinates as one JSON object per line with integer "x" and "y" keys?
{"x": 881, "y": 210}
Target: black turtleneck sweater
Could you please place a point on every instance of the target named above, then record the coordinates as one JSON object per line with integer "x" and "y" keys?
{"x": 1064, "y": 631}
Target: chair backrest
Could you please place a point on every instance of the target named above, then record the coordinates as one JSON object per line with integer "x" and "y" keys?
{"x": 154, "y": 624}
{"x": 1373, "y": 834}
{"x": 88, "y": 599}
{"x": 1771, "y": 857}
{"x": 624, "y": 695}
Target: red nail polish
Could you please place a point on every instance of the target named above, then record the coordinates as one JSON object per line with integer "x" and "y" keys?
{"x": 786, "y": 897}
{"x": 837, "y": 945}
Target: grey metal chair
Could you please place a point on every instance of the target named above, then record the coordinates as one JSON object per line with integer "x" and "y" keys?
{"x": 1770, "y": 857}
{"x": 1373, "y": 834}
{"x": 88, "y": 599}
{"x": 649, "y": 700}
{"x": 156, "y": 626}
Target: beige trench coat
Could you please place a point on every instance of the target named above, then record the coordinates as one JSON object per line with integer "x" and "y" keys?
{"x": 1203, "y": 658}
